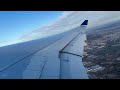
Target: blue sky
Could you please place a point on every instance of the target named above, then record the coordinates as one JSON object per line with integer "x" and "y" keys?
{"x": 15, "y": 23}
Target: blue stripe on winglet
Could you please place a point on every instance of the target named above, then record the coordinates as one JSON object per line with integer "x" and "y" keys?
{"x": 85, "y": 22}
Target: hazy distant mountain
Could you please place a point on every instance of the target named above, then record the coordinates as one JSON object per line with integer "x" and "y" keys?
{"x": 108, "y": 26}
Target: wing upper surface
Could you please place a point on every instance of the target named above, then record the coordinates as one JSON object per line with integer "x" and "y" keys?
{"x": 45, "y": 62}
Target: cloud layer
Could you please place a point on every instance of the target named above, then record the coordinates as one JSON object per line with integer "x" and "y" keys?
{"x": 69, "y": 20}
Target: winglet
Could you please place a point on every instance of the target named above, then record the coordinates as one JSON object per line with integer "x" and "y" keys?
{"x": 85, "y": 22}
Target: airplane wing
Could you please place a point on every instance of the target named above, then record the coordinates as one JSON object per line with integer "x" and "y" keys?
{"x": 58, "y": 57}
